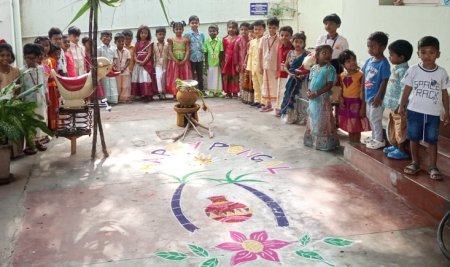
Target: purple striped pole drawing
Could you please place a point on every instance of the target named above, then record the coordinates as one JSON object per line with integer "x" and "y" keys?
{"x": 276, "y": 209}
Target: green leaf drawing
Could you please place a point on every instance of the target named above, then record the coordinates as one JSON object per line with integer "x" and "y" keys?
{"x": 312, "y": 256}
{"x": 305, "y": 240}
{"x": 338, "y": 242}
{"x": 171, "y": 255}
{"x": 210, "y": 263}
{"x": 199, "y": 251}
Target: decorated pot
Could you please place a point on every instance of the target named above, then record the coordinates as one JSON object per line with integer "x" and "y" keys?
{"x": 226, "y": 211}
{"x": 187, "y": 98}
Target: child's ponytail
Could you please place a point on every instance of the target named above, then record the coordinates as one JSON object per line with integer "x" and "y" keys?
{"x": 172, "y": 23}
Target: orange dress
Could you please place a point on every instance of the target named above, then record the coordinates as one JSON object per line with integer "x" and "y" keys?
{"x": 53, "y": 95}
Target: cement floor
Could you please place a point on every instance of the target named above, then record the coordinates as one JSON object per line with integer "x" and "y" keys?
{"x": 66, "y": 210}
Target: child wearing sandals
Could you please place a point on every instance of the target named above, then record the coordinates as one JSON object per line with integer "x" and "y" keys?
{"x": 352, "y": 112}
{"x": 426, "y": 86}
{"x": 400, "y": 53}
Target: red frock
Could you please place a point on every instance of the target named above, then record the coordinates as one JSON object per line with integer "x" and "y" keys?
{"x": 230, "y": 76}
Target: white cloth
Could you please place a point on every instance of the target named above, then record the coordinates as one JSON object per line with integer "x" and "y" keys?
{"x": 427, "y": 86}
{"x": 160, "y": 79}
{"x": 214, "y": 79}
{"x": 281, "y": 91}
{"x": 79, "y": 57}
{"x": 375, "y": 116}
{"x": 270, "y": 85}
{"x": 340, "y": 45}
{"x": 109, "y": 85}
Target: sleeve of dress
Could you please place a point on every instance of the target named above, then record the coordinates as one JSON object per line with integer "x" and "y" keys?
{"x": 221, "y": 46}
{"x": 408, "y": 79}
{"x": 332, "y": 77}
{"x": 386, "y": 70}
{"x": 236, "y": 54}
{"x": 345, "y": 45}
{"x": 445, "y": 80}
{"x": 319, "y": 41}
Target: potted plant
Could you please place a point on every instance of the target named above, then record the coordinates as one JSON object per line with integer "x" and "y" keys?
{"x": 17, "y": 120}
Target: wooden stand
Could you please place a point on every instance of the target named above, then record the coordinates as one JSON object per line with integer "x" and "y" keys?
{"x": 69, "y": 129}
{"x": 73, "y": 144}
{"x": 181, "y": 119}
{"x": 188, "y": 117}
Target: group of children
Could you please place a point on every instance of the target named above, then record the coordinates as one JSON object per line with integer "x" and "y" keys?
{"x": 265, "y": 72}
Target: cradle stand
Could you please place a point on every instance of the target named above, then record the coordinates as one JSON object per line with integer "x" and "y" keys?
{"x": 73, "y": 123}
{"x": 187, "y": 117}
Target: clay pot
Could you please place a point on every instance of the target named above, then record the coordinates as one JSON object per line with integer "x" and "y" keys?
{"x": 223, "y": 210}
{"x": 187, "y": 98}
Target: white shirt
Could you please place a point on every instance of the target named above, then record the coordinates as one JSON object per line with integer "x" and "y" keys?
{"x": 427, "y": 86}
{"x": 338, "y": 44}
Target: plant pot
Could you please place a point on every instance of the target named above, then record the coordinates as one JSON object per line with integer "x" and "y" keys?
{"x": 5, "y": 159}
{"x": 187, "y": 98}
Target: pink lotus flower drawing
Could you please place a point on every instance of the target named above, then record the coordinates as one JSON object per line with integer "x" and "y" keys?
{"x": 250, "y": 249}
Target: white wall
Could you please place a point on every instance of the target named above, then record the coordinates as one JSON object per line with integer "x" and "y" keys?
{"x": 311, "y": 16}
{"x": 360, "y": 18}
{"x": 6, "y": 21}
{"x": 136, "y": 12}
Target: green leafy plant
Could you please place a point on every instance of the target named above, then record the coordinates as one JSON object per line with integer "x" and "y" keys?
{"x": 281, "y": 9}
{"x": 18, "y": 119}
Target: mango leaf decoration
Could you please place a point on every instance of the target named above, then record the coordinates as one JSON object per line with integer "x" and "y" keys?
{"x": 312, "y": 256}
{"x": 305, "y": 240}
{"x": 199, "y": 251}
{"x": 210, "y": 263}
{"x": 171, "y": 255}
{"x": 338, "y": 242}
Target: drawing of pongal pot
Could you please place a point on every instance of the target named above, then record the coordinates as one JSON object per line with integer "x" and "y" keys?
{"x": 226, "y": 211}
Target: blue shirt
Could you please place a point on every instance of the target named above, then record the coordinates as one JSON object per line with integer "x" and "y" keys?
{"x": 196, "y": 46}
{"x": 395, "y": 87}
{"x": 375, "y": 72}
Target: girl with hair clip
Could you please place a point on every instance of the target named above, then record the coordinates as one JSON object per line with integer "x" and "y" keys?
{"x": 178, "y": 57}
{"x": 230, "y": 76}
{"x": 294, "y": 60}
{"x": 352, "y": 118}
{"x": 321, "y": 132}
{"x": 143, "y": 80}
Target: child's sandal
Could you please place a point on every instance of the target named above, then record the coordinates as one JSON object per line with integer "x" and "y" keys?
{"x": 434, "y": 172}
{"x": 412, "y": 168}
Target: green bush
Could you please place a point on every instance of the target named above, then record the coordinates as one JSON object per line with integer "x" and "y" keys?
{"x": 18, "y": 119}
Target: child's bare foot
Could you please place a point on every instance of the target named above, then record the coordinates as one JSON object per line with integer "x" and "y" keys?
{"x": 228, "y": 96}
{"x": 235, "y": 96}
{"x": 174, "y": 98}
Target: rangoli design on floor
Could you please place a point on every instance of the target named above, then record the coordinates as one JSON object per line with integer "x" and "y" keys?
{"x": 276, "y": 209}
{"x": 226, "y": 211}
{"x": 258, "y": 246}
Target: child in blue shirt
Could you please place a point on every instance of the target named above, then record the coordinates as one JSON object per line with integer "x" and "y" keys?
{"x": 376, "y": 72}
{"x": 197, "y": 40}
{"x": 426, "y": 86}
{"x": 400, "y": 53}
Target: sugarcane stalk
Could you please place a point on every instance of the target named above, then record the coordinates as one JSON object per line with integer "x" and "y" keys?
{"x": 189, "y": 120}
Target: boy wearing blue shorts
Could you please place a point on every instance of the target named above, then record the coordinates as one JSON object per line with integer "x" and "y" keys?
{"x": 426, "y": 89}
